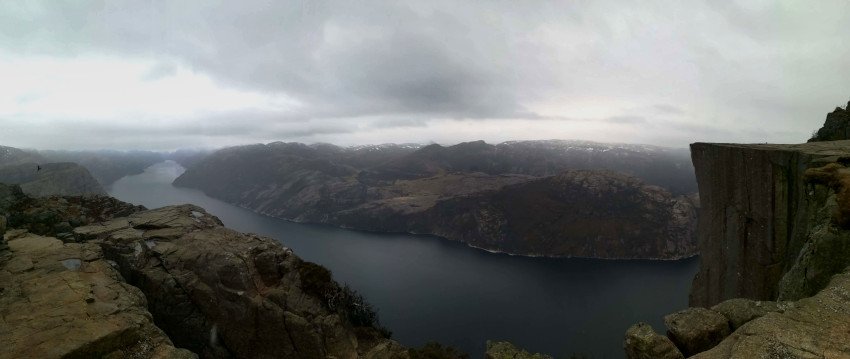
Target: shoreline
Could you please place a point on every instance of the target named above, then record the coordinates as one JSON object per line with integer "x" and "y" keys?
{"x": 491, "y": 251}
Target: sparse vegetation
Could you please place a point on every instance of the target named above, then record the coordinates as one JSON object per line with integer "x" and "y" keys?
{"x": 318, "y": 281}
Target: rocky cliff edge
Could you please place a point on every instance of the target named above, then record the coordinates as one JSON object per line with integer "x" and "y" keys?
{"x": 774, "y": 238}
{"x": 151, "y": 282}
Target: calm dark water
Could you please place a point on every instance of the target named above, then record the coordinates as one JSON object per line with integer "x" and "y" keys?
{"x": 428, "y": 288}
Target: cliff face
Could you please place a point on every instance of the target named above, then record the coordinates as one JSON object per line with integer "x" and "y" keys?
{"x": 774, "y": 239}
{"x": 761, "y": 221}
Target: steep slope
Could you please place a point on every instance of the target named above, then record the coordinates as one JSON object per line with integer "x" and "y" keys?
{"x": 15, "y": 156}
{"x": 472, "y": 192}
{"x": 666, "y": 167}
{"x": 52, "y": 178}
{"x": 598, "y": 214}
{"x": 131, "y": 285}
{"x": 107, "y": 166}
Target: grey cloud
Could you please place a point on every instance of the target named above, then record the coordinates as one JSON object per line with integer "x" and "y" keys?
{"x": 669, "y": 109}
{"x": 373, "y": 65}
{"x": 627, "y": 119}
{"x": 341, "y": 58}
{"x": 160, "y": 70}
{"x": 399, "y": 122}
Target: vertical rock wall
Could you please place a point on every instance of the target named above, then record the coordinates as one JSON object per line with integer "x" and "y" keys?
{"x": 758, "y": 216}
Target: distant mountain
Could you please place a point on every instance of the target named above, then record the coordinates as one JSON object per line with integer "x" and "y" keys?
{"x": 187, "y": 157}
{"x": 525, "y": 197}
{"x": 666, "y": 167}
{"x": 107, "y": 166}
{"x": 15, "y": 156}
{"x": 64, "y": 179}
{"x": 577, "y": 213}
{"x": 38, "y": 177}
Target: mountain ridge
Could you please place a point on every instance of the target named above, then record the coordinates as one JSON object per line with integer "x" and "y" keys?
{"x": 405, "y": 188}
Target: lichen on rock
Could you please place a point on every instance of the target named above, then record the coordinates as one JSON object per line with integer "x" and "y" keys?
{"x": 506, "y": 350}
{"x": 642, "y": 342}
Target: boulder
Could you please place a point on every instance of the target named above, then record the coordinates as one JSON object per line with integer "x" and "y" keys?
{"x": 694, "y": 330}
{"x": 66, "y": 301}
{"x": 506, "y": 350}
{"x": 815, "y": 327}
{"x": 642, "y": 342}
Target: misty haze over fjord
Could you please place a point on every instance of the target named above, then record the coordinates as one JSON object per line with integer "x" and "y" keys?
{"x": 164, "y": 75}
{"x": 424, "y": 179}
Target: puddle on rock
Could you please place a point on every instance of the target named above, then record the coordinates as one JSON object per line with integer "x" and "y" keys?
{"x": 72, "y": 263}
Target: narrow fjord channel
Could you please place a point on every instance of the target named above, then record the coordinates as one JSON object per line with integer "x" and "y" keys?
{"x": 427, "y": 288}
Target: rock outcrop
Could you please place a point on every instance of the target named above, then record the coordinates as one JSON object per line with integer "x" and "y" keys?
{"x": 145, "y": 283}
{"x": 539, "y": 198}
{"x": 694, "y": 330}
{"x": 506, "y": 350}
{"x": 642, "y": 342}
{"x": 65, "y": 179}
{"x": 66, "y": 301}
{"x": 56, "y": 216}
{"x": 766, "y": 229}
{"x": 774, "y": 240}
{"x": 814, "y": 327}
{"x": 836, "y": 127}
{"x": 209, "y": 287}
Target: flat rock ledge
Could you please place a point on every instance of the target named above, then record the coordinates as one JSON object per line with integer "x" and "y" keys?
{"x": 814, "y": 327}
{"x": 62, "y": 300}
{"x": 153, "y": 282}
{"x": 222, "y": 293}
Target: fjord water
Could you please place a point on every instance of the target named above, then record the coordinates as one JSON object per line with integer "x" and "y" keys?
{"x": 426, "y": 288}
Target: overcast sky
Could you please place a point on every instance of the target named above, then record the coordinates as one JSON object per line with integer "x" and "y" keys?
{"x": 170, "y": 74}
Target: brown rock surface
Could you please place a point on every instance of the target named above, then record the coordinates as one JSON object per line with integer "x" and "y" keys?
{"x": 694, "y": 330}
{"x": 739, "y": 311}
{"x": 816, "y": 327}
{"x": 642, "y": 342}
{"x": 222, "y": 293}
{"x": 65, "y": 300}
{"x": 506, "y": 350}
